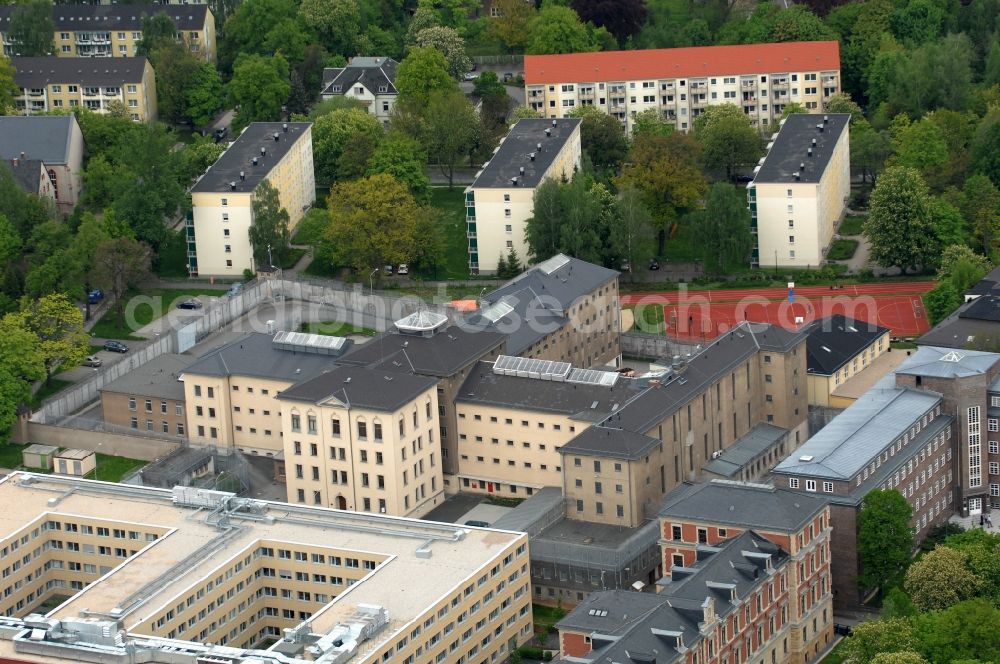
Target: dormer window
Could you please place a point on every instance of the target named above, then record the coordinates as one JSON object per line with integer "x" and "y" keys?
{"x": 335, "y": 88}
{"x": 383, "y": 88}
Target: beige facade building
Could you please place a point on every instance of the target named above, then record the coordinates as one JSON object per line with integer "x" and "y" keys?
{"x": 364, "y": 440}
{"x": 370, "y": 81}
{"x": 800, "y": 190}
{"x": 562, "y": 309}
{"x": 55, "y": 84}
{"x": 191, "y": 575}
{"x": 57, "y": 142}
{"x": 150, "y": 398}
{"x": 499, "y": 202}
{"x": 231, "y": 393}
{"x": 115, "y": 30}
{"x": 680, "y": 83}
{"x": 616, "y": 445}
{"x": 222, "y": 199}
{"x": 839, "y": 348}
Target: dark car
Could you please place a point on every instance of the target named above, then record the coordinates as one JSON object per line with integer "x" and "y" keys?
{"x": 842, "y": 630}
{"x": 654, "y": 265}
{"x": 744, "y": 178}
{"x": 115, "y": 347}
{"x": 95, "y": 296}
{"x": 220, "y": 134}
{"x": 189, "y": 304}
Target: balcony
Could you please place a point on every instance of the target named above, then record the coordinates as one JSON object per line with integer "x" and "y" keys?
{"x": 780, "y": 84}
{"x": 699, "y": 103}
{"x": 112, "y": 92}
{"x": 748, "y": 84}
{"x": 829, "y": 78}
{"x": 471, "y": 235}
{"x": 90, "y": 92}
{"x": 35, "y": 92}
{"x": 586, "y": 95}
{"x": 699, "y": 86}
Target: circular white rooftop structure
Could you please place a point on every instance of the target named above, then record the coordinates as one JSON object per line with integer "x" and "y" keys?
{"x": 421, "y": 322}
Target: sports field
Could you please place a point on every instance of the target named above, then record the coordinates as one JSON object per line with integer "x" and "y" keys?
{"x": 705, "y": 314}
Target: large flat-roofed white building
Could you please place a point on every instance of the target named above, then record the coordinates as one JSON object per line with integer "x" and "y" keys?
{"x": 500, "y": 201}
{"x": 800, "y": 190}
{"x": 681, "y": 83}
{"x": 195, "y": 577}
{"x": 222, "y": 199}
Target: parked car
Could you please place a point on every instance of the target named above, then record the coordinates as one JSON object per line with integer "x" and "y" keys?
{"x": 115, "y": 347}
{"x": 92, "y": 361}
{"x": 744, "y": 178}
{"x": 842, "y": 630}
{"x": 625, "y": 267}
{"x": 477, "y": 524}
{"x": 95, "y": 296}
{"x": 190, "y": 303}
{"x": 387, "y": 270}
{"x": 235, "y": 289}
{"x": 403, "y": 269}
{"x": 654, "y": 264}
{"x": 471, "y": 75}
{"x": 220, "y": 134}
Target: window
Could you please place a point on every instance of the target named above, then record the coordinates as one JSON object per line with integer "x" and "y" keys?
{"x": 793, "y": 483}
{"x": 810, "y": 485}
{"x": 828, "y": 487}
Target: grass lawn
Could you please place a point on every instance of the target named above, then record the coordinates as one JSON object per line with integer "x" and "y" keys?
{"x": 841, "y": 250}
{"x": 835, "y": 656}
{"x": 648, "y": 318}
{"x": 114, "y": 468}
{"x": 54, "y": 386}
{"x": 163, "y": 300}
{"x": 683, "y": 246}
{"x": 545, "y": 617}
{"x": 852, "y": 225}
{"x": 10, "y": 456}
{"x": 451, "y": 205}
{"x": 172, "y": 257}
{"x": 335, "y": 328}
{"x": 310, "y": 227}
{"x": 318, "y": 268}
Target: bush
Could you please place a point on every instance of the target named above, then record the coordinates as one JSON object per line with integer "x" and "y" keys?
{"x": 841, "y": 250}
{"x": 248, "y": 274}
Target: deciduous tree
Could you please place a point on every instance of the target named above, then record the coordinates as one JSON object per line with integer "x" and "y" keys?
{"x": 158, "y": 30}
{"x": 632, "y": 236}
{"x": 512, "y": 26}
{"x": 899, "y": 225}
{"x": 451, "y": 125}
{"x": 403, "y": 158}
{"x": 259, "y": 88}
{"x": 601, "y": 136}
{"x": 981, "y": 207}
{"x": 650, "y": 123}
{"x": 622, "y": 18}
{"x": 374, "y": 221}
{"x": 31, "y": 28}
{"x": 885, "y": 539}
{"x": 269, "y": 235}
{"x": 121, "y": 264}
{"x": 337, "y": 23}
{"x": 557, "y": 29}
{"x": 8, "y": 90}
{"x": 450, "y": 45}
{"x": 58, "y": 325}
{"x": 724, "y": 228}
{"x": 727, "y": 138}
{"x": 423, "y": 73}
{"x": 874, "y": 637}
{"x": 940, "y": 578}
{"x": 332, "y": 132}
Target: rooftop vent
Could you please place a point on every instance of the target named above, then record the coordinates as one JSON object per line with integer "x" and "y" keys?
{"x": 284, "y": 127}
{"x": 263, "y": 151}
{"x": 532, "y": 156}
{"x": 538, "y": 147}
{"x": 513, "y": 181}
{"x": 820, "y": 127}
{"x": 826, "y": 118}
{"x": 806, "y": 458}
{"x": 521, "y": 170}
{"x": 548, "y": 132}
{"x": 243, "y": 176}
{"x": 254, "y": 161}
{"x": 814, "y": 142}
{"x": 232, "y": 186}
{"x": 275, "y": 137}
{"x": 809, "y": 152}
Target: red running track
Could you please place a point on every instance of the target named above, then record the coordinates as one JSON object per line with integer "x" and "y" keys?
{"x": 704, "y": 315}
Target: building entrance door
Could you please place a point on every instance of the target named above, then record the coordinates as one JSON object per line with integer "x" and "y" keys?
{"x": 975, "y": 506}
{"x": 341, "y": 503}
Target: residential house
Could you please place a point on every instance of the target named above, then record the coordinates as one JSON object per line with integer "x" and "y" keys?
{"x": 57, "y": 142}
{"x": 370, "y": 81}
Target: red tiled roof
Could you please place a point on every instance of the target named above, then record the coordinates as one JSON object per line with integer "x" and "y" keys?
{"x": 682, "y": 62}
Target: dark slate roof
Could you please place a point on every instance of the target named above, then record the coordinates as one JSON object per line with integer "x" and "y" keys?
{"x": 27, "y": 173}
{"x": 116, "y": 17}
{"x": 445, "y": 353}
{"x": 790, "y": 148}
{"x": 40, "y": 72}
{"x": 160, "y": 378}
{"x": 522, "y": 141}
{"x": 742, "y": 504}
{"x": 988, "y": 285}
{"x": 45, "y": 137}
{"x": 958, "y": 331}
{"x": 360, "y": 387}
{"x": 731, "y": 460}
{"x": 239, "y": 155}
{"x": 541, "y": 296}
{"x": 585, "y": 402}
{"x": 255, "y": 355}
{"x": 373, "y": 73}
{"x": 835, "y": 341}
{"x": 608, "y": 442}
{"x": 641, "y": 627}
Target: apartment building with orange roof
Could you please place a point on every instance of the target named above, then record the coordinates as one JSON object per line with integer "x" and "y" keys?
{"x": 681, "y": 83}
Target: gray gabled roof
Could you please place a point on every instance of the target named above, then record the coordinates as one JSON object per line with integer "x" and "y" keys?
{"x": 360, "y": 387}
{"x": 855, "y": 437}
{"x": 28, "y": 173}
{"x": 731, "y": 460}
{"x": 799, "y": 133}
{"x": 378, "y": 75}
{"x": 742, "y": 504}
{"x": 836, "y": 340}
{"x": 602, "y": 441}
{"x": 103, "y": 72}
{"x": 519, "y": 150}
{"x": 255, "y": 355}
{"x": 444, "y": 353}
{"x": 160, "y": 378}
{"x": 45, "y": 137}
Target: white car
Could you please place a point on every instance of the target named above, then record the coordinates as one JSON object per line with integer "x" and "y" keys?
{"x": 403, "y": 269}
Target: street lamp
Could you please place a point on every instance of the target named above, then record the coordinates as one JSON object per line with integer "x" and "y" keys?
{"x": 270, "y": 261}
{"x": 371, "y": 294}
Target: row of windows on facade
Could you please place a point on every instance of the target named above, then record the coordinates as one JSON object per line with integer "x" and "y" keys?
{"x": 510, "y": 421}
{"x": 777, "y": 79}
{"x": 362, "y": 425}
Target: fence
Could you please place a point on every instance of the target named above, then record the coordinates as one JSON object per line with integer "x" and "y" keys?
{"x": 644, "y": 346}
{"x": 217, "y": 315}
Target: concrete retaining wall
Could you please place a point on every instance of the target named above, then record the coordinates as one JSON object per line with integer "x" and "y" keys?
{"x": 115, "y": 444}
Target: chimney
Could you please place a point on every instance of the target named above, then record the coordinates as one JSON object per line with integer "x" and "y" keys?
{"x": 548, "y": 132}
{"x": 22, "y": 155}
{"x": 284, "y": 127}
{"x": 532, "y": 155}
{"x": 809, "y": 152}
{"x": 513, "y": 181}
{"x": 814, "y": 142}
{"x": 254, "y": 161}
{"x": 232, "y": 186}
{"x": 275, "y": 137}
{"x": 538, "y": 147}
{"x": 553, "y": 123}
{"x": 243, "y": 176}
{"x": 521, "y": 170}
{"x": 16, "y": 162}
{"x": 263, "y": 151}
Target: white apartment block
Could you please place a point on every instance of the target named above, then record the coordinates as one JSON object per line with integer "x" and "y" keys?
{"x": 800, "y": 190}
{"x": 222, "y": 199}
{"x": 500, "y": 201}
{"x": 682, "y": 82}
